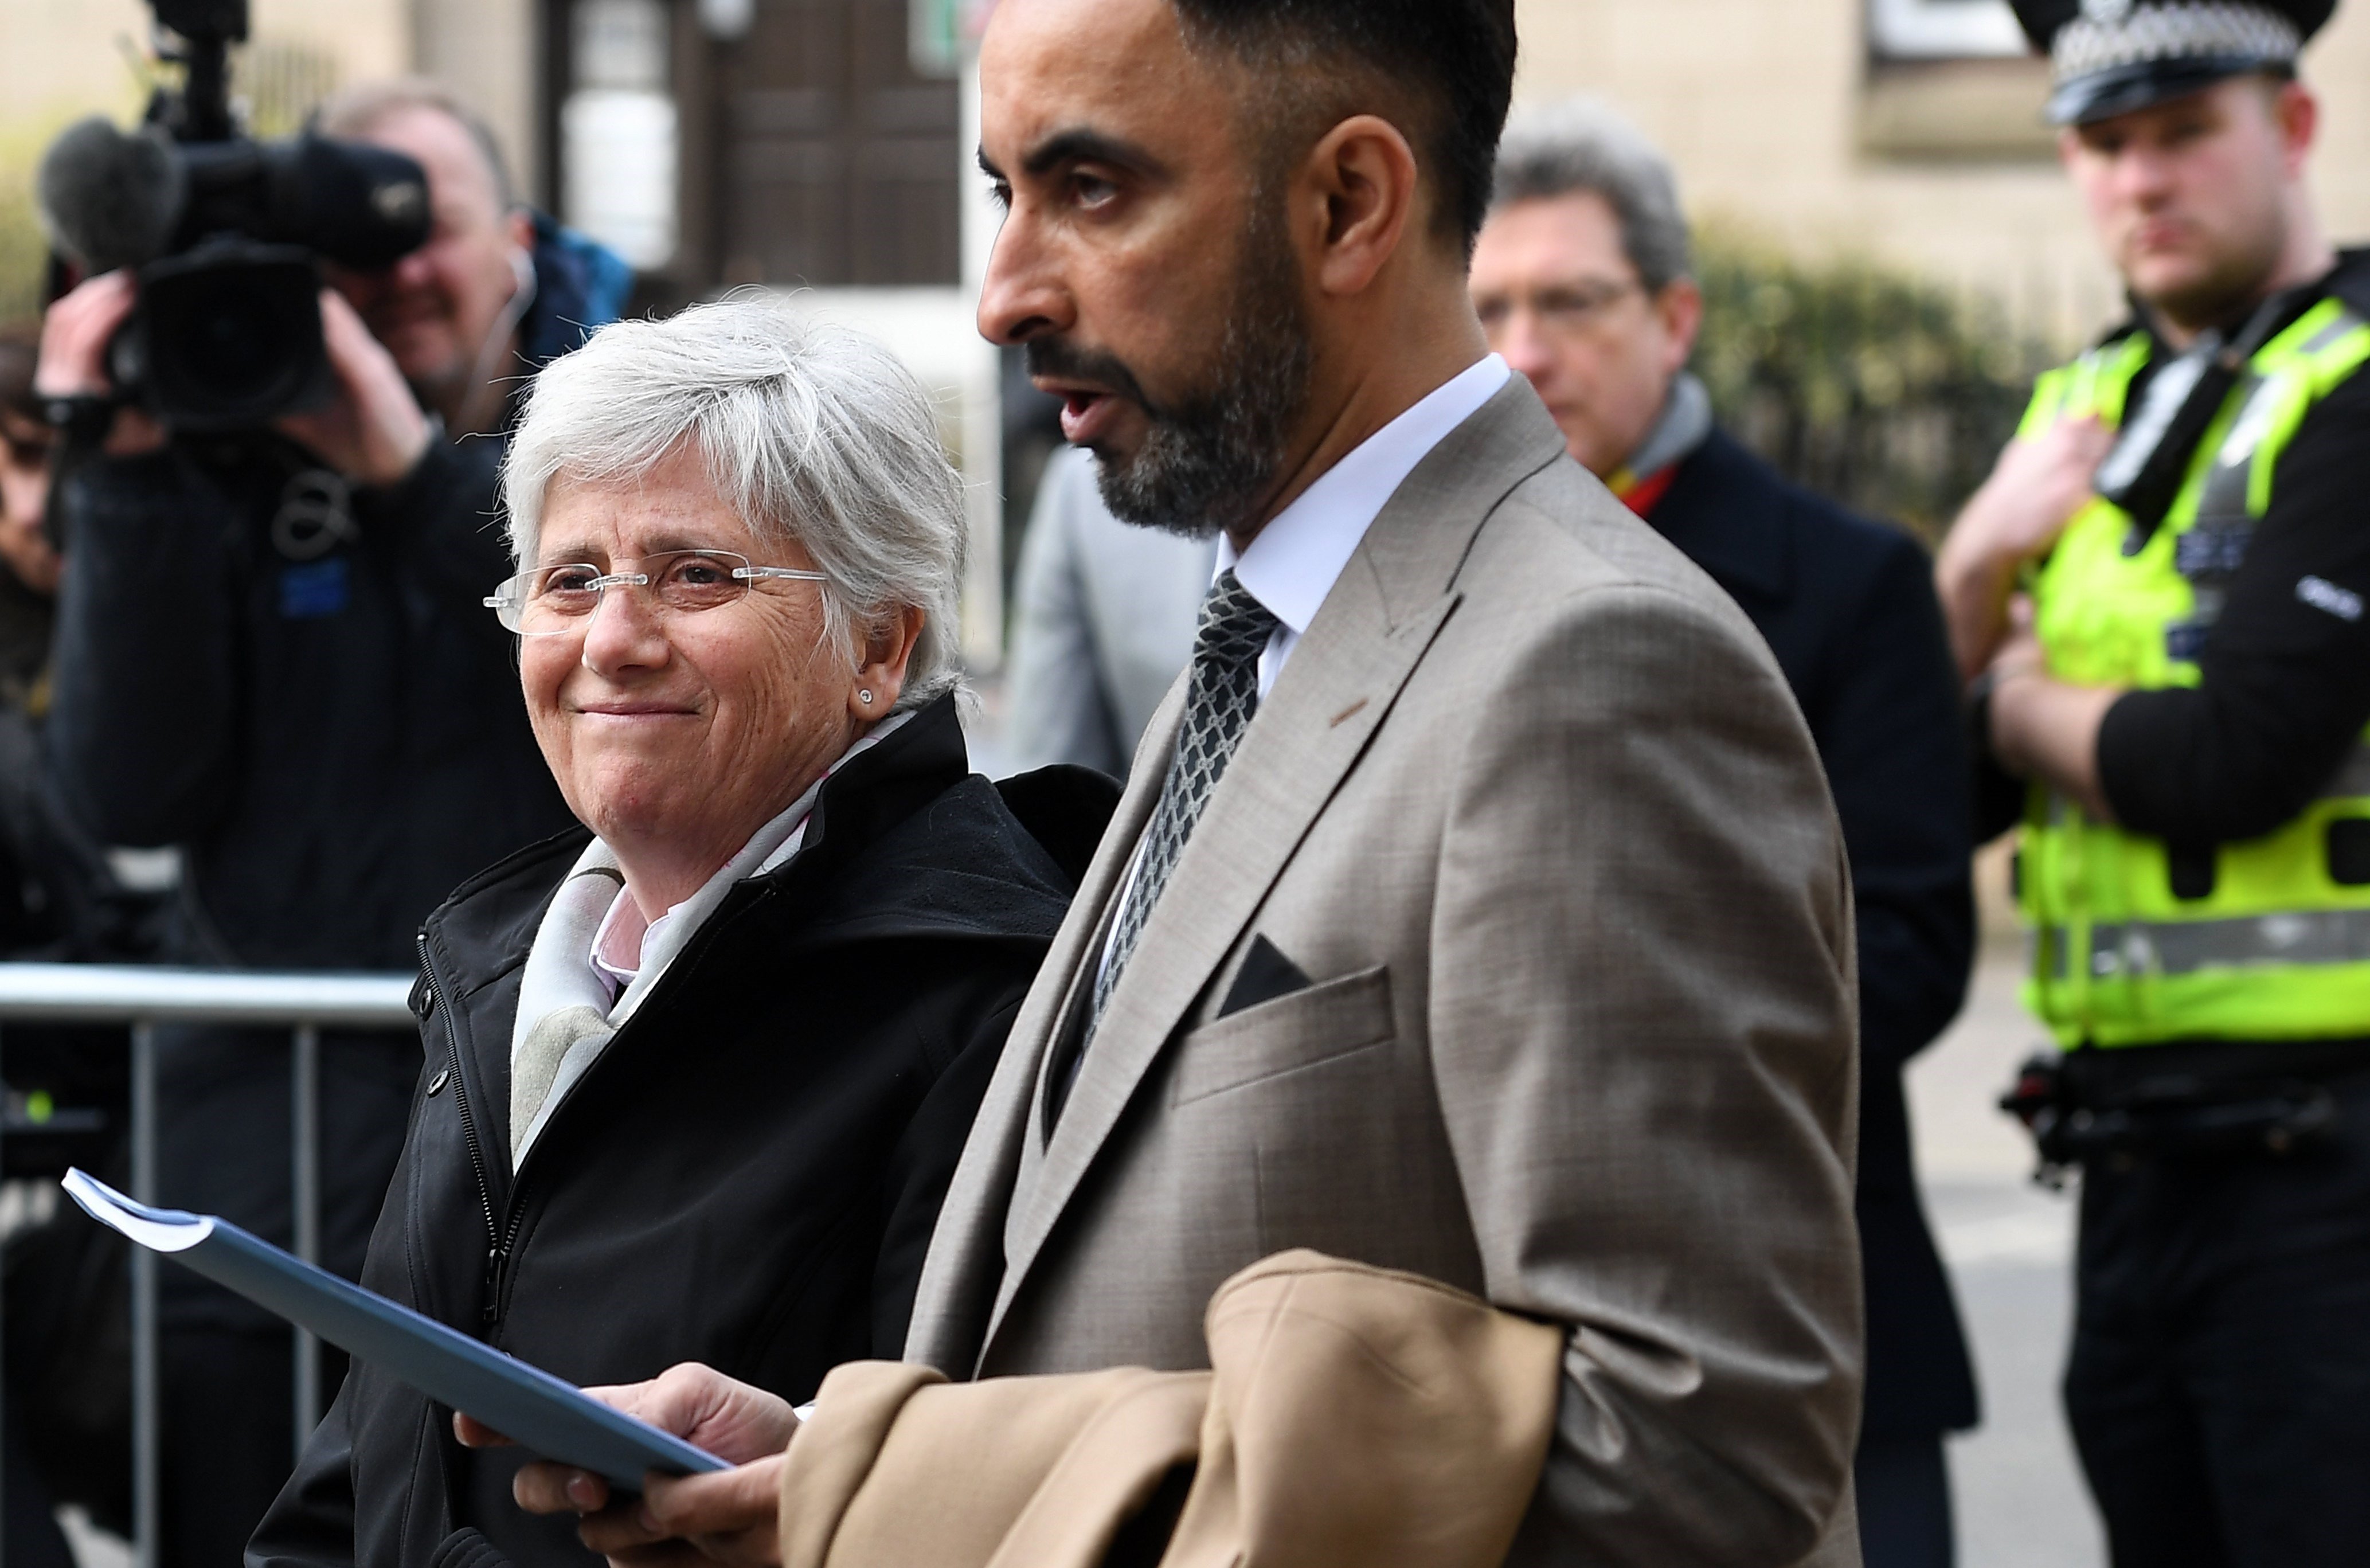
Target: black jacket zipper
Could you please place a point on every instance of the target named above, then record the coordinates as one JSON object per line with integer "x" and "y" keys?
{"x": 496, "y": 1249}
{"x": 497, "y": 1266}
{"x": 502, "y": 1239}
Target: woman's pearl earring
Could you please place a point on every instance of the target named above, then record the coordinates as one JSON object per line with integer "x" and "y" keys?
{"x": 864, "y": 696}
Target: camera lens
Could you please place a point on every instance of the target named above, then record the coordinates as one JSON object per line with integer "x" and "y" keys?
{"x": 233, "y": 335}
{"x": 232, "y": 339}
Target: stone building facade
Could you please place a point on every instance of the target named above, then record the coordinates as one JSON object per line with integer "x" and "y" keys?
{"x": 1897, "y": 128}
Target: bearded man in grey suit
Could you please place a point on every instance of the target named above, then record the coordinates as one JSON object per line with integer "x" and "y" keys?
{"x": 1477, "y": 908}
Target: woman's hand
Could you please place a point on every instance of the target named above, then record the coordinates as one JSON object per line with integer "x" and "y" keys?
{"x": 730, "y": 1517}
{"x": 727, "y": 1516}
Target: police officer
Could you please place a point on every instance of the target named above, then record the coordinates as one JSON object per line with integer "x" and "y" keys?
{"x": 2159, "y": 598}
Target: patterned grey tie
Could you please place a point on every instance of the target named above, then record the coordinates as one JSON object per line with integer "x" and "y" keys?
{"x": 1218, "y": 707}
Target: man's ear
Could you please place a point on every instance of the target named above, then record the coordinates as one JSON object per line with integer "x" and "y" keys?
{"x": 1680, "y": 308}
{"x": 2296, "y": 112}
{"x": 1360, "y": 185}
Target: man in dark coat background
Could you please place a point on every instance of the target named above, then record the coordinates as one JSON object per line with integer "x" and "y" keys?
{"x": 1581, "y": 280}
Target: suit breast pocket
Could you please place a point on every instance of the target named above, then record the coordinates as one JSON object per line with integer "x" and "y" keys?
{"x": 1338, "y": 1017}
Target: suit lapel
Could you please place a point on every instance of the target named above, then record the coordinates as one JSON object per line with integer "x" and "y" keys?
{"x": 1098, "y": 904}
{"x": 968, "y": 1247}
{"x": 1367, "y": 639}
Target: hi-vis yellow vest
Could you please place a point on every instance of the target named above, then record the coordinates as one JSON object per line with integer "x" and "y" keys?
{"x": 2265, "y": 943}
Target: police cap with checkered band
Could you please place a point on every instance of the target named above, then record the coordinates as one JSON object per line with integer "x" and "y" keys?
{"x": 2109, "y": 57}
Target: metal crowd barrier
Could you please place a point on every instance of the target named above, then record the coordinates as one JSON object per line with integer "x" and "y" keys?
{"x": 145, "y": 997}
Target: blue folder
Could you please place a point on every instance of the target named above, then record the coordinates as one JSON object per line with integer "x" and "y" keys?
{"x": 538, "y": 1412}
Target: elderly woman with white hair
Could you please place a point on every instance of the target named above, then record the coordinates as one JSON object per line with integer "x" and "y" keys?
{"x": 698, "y": 1073}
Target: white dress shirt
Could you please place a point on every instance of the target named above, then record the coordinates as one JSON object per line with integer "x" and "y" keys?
{"x": 1297, "y": 557}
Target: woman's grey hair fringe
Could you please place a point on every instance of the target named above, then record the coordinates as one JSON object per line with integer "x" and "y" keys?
{"x": 1581, "y": 144}
{"x": 811, "y": 432}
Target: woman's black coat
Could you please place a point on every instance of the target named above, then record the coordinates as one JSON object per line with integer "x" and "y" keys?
{"x": 748, "y": 1174}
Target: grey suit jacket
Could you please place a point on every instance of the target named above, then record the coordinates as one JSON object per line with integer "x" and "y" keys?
{"x": 1104, "y": 621}
{"x": 1532, "y": 808}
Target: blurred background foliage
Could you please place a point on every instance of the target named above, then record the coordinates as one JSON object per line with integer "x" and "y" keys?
{"x": 1879, "y": 388}
{"x": 22, "y": 250}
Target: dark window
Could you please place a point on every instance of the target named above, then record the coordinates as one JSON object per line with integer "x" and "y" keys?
{"x": 837, "y": 163}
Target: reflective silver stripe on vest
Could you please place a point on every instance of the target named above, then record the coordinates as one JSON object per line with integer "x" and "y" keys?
{"x": 2331, "y": 335}
{"x": 2223, "y": 500}
{"x": 2319, "y": 937}
{"x": 2354, "y": 779}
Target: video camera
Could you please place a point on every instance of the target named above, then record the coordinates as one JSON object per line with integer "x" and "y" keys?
{"x": 226, "y": 233}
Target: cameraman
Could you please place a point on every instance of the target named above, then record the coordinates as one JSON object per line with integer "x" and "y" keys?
{"x": 272, "y": 651}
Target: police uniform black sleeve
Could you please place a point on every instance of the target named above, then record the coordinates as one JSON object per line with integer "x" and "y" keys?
{"x": 2284, "y": 676}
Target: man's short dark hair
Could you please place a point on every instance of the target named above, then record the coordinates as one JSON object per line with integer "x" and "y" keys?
{"x": 1453, "y": 58}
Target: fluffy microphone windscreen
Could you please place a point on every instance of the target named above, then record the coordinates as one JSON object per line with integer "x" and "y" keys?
{"x": 110, "y": 199}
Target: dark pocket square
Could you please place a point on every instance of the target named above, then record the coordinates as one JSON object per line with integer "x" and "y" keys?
{"x": 1266, "y": 974}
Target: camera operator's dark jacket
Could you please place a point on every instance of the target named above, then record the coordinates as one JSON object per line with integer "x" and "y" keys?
{"x": 749, "y": 1173}
{"x": 334, "y": 743}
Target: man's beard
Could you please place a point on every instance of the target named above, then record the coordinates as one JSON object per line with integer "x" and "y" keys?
{"x": 1210, "y": 456}
{"x": 2229, "y": 289}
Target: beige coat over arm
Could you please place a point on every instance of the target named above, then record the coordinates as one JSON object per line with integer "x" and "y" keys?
{"x": 1352, "y": 1418}
{"x": 1532, "y": 807}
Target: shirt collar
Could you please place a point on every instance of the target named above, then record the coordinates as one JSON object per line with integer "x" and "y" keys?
{"x": 1297, "y": 557}
{"x": 768, "y": 849}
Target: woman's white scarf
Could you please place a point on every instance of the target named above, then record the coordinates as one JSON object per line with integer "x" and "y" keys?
{"x": 565, "y": 1014}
